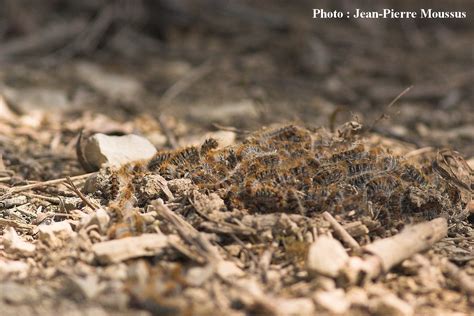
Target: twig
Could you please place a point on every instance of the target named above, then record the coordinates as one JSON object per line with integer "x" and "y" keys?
{"x": 64, "y": 215}
{"x": 188, "y": 232}
{"x": 384, "y": 114}
{"x": 384, "y": 254}
{"x": 36, "y": 185}
{"x": 8, "y": 222}
{"x": 49, "y": 199}
{"x": 341, "y": 232}
{"x": 244, "y": 246}
{"x": 73, "y": 187}
{"x": 187, "y": 252}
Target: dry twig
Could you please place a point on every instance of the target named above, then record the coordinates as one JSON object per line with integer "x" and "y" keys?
{"x": 385, "y": 253}
{"x": 16, "y": 224}
{"x": 341, "y": 232}
{"x": 73, "y": 187}
{"x": 42, "y": 184}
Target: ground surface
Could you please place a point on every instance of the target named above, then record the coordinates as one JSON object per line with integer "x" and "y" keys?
{"x": 225, "y": 74}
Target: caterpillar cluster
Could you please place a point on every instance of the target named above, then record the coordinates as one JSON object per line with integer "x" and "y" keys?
{"x": 297, "y": 170}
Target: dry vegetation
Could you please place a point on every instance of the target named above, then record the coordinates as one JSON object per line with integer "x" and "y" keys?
{"x": 259, "y": 200}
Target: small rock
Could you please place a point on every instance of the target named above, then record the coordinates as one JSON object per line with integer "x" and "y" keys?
{"x": 295, "y": 306}
{"x": 334, "y": 301}
{"x": 54, "y": 233}
{"x": 71, "y": 203}
{"x": 390, "y": 305}
{"x": 101, "y": 149}
{"x": 326, "y": 256}
{"x": 15, "y": 244}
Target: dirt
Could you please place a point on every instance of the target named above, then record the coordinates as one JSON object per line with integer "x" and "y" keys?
{"x": 185, "y": 75}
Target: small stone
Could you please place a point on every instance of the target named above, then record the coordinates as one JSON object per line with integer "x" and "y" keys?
{"x": 71, "y": 203}
{"x": 54, "y": 233}
{"x": 390, "y": 305}
{"x": 101, "y": 149}
{"x": 326, "y": 256}
{"x": 15, "y": 244}
{"x": 334, "y": 301}
{"x": 295, "y": 306}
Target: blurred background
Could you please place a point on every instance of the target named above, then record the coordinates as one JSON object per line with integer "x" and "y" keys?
{"x": 202, "y": 64}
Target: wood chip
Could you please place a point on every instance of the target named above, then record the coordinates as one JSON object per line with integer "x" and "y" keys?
{"x": 113, "y": 251}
